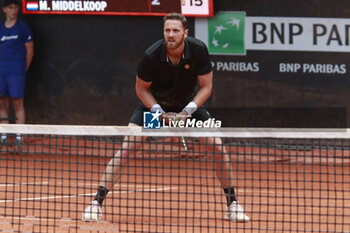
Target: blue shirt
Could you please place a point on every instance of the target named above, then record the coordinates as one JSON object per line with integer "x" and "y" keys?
{"x": 12, "y": 46}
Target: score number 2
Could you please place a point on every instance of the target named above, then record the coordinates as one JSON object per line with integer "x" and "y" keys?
{"x": 155, "y": 3}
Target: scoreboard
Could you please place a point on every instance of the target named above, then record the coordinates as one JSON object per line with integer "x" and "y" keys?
{"x": 202, "y": 8}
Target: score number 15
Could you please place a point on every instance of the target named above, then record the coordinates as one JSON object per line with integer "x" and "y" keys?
{"x": 193, "y": 2}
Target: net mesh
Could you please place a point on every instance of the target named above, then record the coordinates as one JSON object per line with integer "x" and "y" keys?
{"x": 286, "y": 181}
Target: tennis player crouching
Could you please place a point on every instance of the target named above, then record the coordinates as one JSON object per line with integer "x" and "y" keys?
{"x": 175, "y": 75}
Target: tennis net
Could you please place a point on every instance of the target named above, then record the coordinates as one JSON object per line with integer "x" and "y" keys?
{"x": 286, "y": 180}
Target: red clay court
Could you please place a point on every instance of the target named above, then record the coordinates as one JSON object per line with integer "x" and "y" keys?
{"x": 46, "y": 184}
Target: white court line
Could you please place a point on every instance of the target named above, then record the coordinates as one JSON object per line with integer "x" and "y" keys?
{"x": 121, "y": 192}
{"x": 117, "y": 185}
{"x": 19, "y": 184}
{"x": 82, "y": 195}
{"x": 24, "y": 218}
{"x": 70, "y": 185}
{"x": 267, "y": 191}
{"x": 261, "y": 190}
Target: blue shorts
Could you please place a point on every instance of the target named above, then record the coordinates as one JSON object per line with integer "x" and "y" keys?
{"x": 12, "y": 85}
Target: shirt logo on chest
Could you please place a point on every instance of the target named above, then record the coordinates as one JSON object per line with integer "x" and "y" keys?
{"x": 9, "y": 38}
{"x": 187, "y": 66}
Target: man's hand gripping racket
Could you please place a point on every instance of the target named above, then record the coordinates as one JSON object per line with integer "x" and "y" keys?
{"x": 175, "y": 117}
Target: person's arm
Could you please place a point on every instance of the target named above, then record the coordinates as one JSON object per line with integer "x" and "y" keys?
{"x": 29, "y": 46}
{"x": 143, "y": 92}
{"x": 205, "y": 87}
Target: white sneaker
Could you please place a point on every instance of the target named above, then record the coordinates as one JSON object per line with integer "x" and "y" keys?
{"x": 3, "y": 138}
{"x": 19, "y": 140}
{"x": 235, "y": 212}
{"x": 93, "y": 212}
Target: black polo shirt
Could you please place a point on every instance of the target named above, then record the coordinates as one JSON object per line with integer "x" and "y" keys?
{"x": 174, "y": 86}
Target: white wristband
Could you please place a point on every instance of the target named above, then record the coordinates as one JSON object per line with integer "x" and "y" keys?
{"x": 157, "y": 107}
{"x": 190, "y": 108}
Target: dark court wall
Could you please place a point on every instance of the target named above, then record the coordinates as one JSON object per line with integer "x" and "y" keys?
{"x": 84, "y": 67}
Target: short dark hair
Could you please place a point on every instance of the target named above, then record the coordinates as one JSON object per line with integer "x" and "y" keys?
{"x": 8, "y": 2}
{"x": 176, "y": 16}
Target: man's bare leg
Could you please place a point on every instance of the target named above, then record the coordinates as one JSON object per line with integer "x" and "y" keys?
{"x": 4, "y": 109}
{"x": 221, "y": 160}
{"x": 224, "y": 173}
{"x": 18, "y": 107}
{"x": 111, "y": 175}
{"x": 4, "y": 114}
{"x": 112, "y": 172}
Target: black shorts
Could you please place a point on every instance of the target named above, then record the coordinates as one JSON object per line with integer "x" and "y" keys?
{"x": 137, "y": 117}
